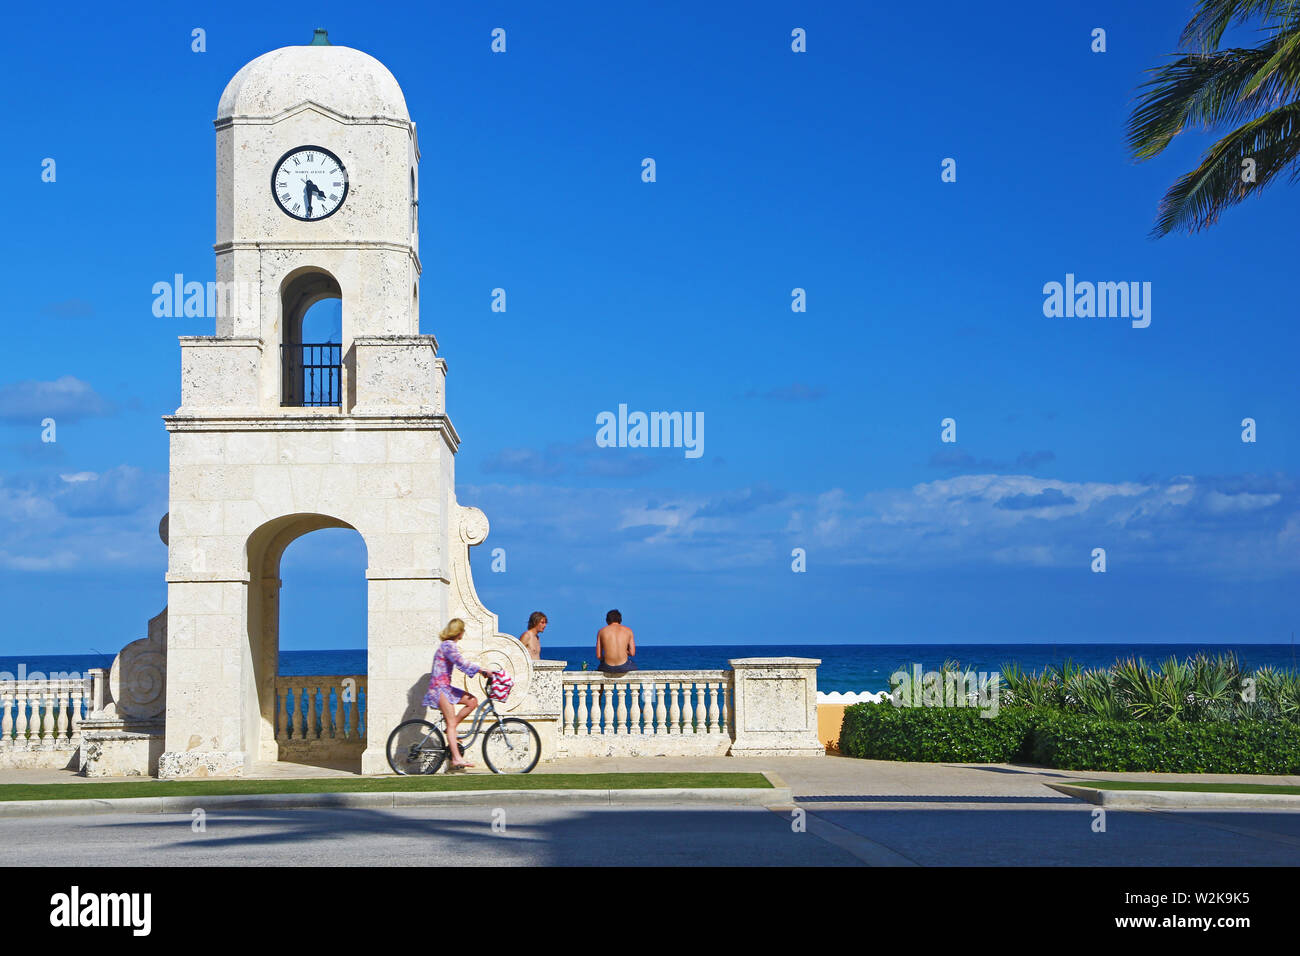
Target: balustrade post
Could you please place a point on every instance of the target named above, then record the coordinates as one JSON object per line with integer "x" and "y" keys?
{"x": 6, "y": 718}
{"x": 724, "y": 702}
{"x": 323, "y": 712}
{"x": 20, "y": 701}
{"x": 620, "y": 717}
{"x": 298, "y": 722}
{"x": 60, "y": 717}
{"x": 634, "y": 707}
{"x": 674, "y": 710}
{"x": 98, "y": 682}
{"x": 688, "y": 690}
{"x": 313, "y": 730}
{"x": 47, "y": 714}
{"x": 581, "y": 691}
{"x": 713, "y": 726}
{"x": 661, "y": 714}
{"x": 566, "y": 720}
{"x": 79, "y": 695}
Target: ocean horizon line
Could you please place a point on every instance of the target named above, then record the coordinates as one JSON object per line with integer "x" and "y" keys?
{"x": 1208, "y": 642}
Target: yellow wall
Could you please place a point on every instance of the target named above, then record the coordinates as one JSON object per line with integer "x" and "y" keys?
{"x": 828, "y": 722}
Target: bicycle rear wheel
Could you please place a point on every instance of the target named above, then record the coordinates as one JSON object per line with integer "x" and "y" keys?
{"x": 416, "y": 747}
{"x": 512, "y": 746}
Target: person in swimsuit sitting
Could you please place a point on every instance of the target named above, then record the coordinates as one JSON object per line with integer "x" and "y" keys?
{"x": 615, "y": 646}
{"x": 445, "y": 697}
{"x": 532, "y": 638}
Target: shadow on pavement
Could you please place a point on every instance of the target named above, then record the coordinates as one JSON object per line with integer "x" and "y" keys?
{"x": 551, "y": 836}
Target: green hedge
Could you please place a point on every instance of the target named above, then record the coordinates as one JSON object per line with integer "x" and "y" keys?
{"x": 1073, "y": 742}
{"x": 1068, "y": 741}
{"x": 886, "y": 732}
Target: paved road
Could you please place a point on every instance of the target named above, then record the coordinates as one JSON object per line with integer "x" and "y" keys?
{"x": 1047, "y": 831}
{"x": 550, "y": 835}
{"x": 1052, "y": 833}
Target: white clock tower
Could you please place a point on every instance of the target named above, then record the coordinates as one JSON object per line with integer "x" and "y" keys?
{"x": 275, "y": 437}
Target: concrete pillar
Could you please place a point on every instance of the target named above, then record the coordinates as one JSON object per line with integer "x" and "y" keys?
{"x": 207, "y": 682}
{"x": 407, "y": 609}
{"x": 775, "y": 707}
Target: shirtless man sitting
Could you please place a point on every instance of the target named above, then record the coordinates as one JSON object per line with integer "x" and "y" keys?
{"x": 615, "y": 646}
{"x": 531, "y": 638}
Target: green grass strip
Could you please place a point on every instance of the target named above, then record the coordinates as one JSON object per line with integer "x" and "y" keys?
{"x": 436, "y": 783}
{"x": 1188, "y": 786}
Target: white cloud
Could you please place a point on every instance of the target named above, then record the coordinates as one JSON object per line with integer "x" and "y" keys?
{"x": 64, "y": 399}
{"x": 971, "y": 520}
{"x": 1219, "y": 503}
{"x": 81, "y": 520}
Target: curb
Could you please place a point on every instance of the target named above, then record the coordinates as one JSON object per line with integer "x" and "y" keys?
{"x": 398, "y": 800}
{"x": 1179, "y": 799}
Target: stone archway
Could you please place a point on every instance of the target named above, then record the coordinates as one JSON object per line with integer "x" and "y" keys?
{"x": 328, "y": 710}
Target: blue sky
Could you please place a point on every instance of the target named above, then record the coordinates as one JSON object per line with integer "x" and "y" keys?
{"x": 775, "y": 170}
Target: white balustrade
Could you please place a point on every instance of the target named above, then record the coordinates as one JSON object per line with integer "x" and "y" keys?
{"x": 646, "y": 703}
{"x": 44, "y": 714}
{"x": 309, "y": 709}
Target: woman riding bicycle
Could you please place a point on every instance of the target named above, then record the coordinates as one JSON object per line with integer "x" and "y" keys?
{"x": 445, "y": 697}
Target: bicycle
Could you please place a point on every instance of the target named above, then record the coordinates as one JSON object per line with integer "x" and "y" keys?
{"x": 511, "y": 745}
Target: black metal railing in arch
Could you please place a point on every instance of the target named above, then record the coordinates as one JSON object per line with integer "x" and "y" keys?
{"x": 311, "y": 374}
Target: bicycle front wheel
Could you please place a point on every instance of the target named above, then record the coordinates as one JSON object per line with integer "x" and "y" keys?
{"x": 512, "y": 746}
{"x": 416, "y": 747}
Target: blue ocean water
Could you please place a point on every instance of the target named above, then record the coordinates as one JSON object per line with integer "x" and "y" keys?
{"x": 38, "y": 666}
{"x": 844, "y": 667}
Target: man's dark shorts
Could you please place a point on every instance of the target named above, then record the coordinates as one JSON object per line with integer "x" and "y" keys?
{"x": 617, "y": 668}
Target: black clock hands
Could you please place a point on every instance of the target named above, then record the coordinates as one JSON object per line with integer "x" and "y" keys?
{"x": 311, "y": 189}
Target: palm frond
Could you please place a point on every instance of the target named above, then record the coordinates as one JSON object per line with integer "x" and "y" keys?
{"x": 1199, "y": 91}
{"x": 1198, "y": 198}
{"x": 1213, "y": 18}
{"x": 1256, "y": 90}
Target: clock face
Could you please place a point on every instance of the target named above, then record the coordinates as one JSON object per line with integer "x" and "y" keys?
{"x": 309, "y": 183}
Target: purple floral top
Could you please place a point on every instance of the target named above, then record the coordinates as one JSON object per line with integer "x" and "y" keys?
{"x": 448, "y": 656}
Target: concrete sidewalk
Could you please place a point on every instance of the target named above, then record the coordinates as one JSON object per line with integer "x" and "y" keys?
{"x": 1178, "y": 799}
{"x": 396, "y": 800}
{"x": 817, "y": 779}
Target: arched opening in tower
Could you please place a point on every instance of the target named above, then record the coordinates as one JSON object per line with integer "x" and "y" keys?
{"x": 311, "y": 316}
{"x": 308, "y": 641}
